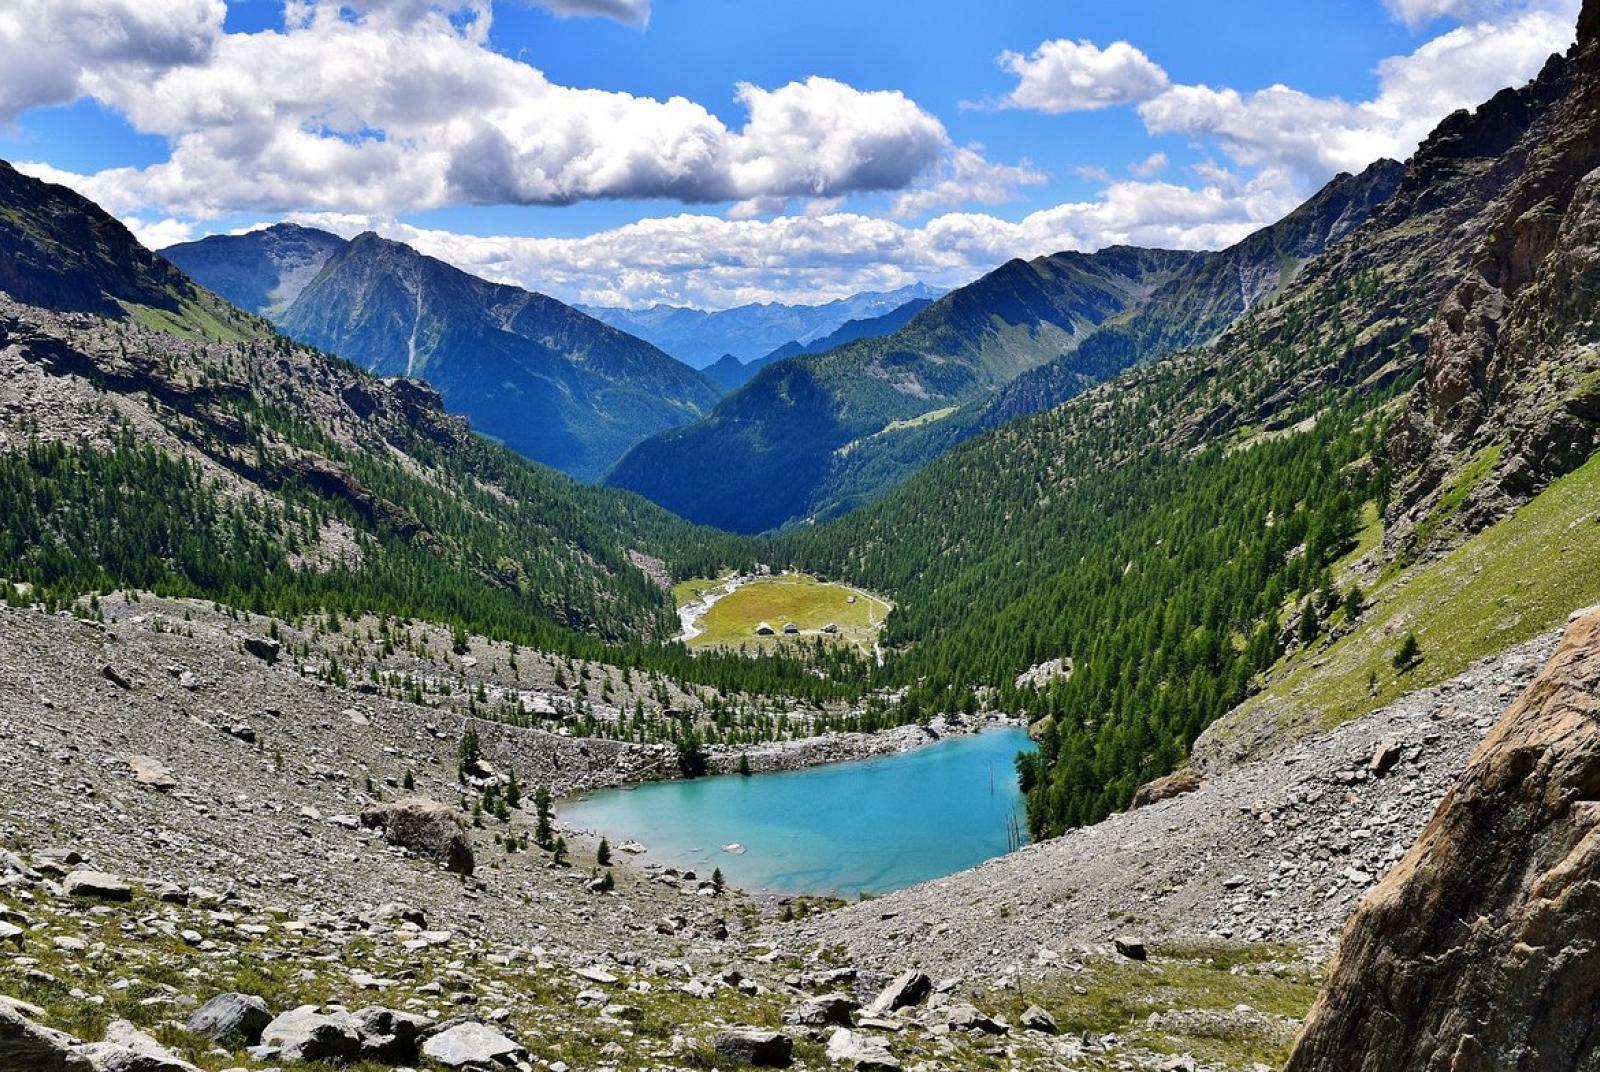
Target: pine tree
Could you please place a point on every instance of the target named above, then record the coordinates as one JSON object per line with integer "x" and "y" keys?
{"x": 602, "y": 855}
{"x": 1409, "y": 655}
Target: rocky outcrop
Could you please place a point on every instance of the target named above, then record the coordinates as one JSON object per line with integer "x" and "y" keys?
{"x": 427, "y": 828}
{"x": 755, "y": 1046}
{"x": 1477, "y": 953}
{"x": 304, "y": 1034}
{"x": 1511, "y": 355}
{"x": 1165, "y": 788}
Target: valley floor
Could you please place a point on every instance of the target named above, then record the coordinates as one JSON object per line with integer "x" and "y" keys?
{"x": 174, "y": 758}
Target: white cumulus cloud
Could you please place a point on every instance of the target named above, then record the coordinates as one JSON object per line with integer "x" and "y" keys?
{"x": 1079, "y": 76}
{"x": 400, "y": 105}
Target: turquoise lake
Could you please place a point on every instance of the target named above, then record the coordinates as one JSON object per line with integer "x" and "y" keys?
{"x": 848, "y": 828}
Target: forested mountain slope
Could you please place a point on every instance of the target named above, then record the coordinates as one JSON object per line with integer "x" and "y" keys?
{"x": 1167, "y": 532}
{"x": 1182, "y": 301}
{"x": 552, "y": 383}
{"x": 1188, "y": 310}
{"x": 756, "y": 460}
{"x": 167, "y": 441}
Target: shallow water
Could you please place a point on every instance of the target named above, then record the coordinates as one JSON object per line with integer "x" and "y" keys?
{"x": 864, "y": 827}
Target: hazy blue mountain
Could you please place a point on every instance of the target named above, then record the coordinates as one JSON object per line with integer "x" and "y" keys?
{"x": 701, "y": 338}
{"x": 730, "y": 373}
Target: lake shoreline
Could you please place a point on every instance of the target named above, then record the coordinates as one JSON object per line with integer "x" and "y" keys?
{"x": 771, "y": 757}
{"x": 906, "y": 812}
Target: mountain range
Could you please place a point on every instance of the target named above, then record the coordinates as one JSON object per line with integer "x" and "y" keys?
{"x": 817, "y": 436}
{"x": 730, "y": 373}
{"x": 550, "y": 382}
{"x": 1268, "y": 529}
{"x": 748, "y": 332}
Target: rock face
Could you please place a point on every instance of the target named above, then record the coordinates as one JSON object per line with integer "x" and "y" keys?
{"x": 25, "y": 1044}
{"x": 1477, "y": 953}
{"x": 427, "y": 828}
{"x": 1509, "y": 400}
{"x": 231, "y": 1018}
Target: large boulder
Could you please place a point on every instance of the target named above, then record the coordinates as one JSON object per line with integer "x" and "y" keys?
{"x": 1165, "y": 788}
{"x": 822, "y": 1009}
{"x": 755, "y": 1046}
{"x": 427, "y": 828}
{"x": 304, "y": 1034}
{"x": 27, "y": 1045}
{"x": 232, "y": 1019}
{"x": 1477, "y": 953}
{"x": 471, "y": 1045}
{"x": 127, "y": 1049}
{"x": 908, "y": 988}
{"x": 264, "y": 648}
{"x": 97, "y": 884}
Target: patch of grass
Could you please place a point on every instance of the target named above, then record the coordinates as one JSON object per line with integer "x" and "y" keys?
{"x": 1197, "y": 990}
{"x": 1504, "y": 586}
{"x": 1450, "y": 501}
{"x": 805, "y": 601}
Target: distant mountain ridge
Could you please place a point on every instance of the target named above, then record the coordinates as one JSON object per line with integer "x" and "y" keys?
{"x": 550, "y": 382}
{"x": 700, "y": 338}
{"x": 730, "y": 373}
{"x": 756, "y": 461}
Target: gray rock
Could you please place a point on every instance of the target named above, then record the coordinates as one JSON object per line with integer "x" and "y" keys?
{"x": 27, "y": 1045}
{"x": 236, "y": 1019}
{"x": 1384, "y": 758}
{"x": 910, "y": 987}
{"x": 98, "y": 884}
{"x": 115, "y": 676}
{"x": 151, "y": 772}
{"x": 471, "y": 1045}
{"x": 822, "y": 1009}
{"x": 755, "y": 1046}
{"x": 127, "y": 1049}
{"x": 860, "y": 1052}
{"x": 427, "y": 828}
{"x": 967, "y": 1017}
{"x": 304, "y": 1034}
{"x": 1132, "y": 948}
{"x": 263, "y": 648}
{"x": 389, "y": 1036}
{"x": 1034, "y": 1018}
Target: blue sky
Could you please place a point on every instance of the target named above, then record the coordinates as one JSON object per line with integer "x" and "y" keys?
{"x": 603, "y": 150}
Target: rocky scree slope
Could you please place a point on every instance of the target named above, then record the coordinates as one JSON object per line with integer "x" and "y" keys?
{"x": 552, "y": 383}
{"x": 1477, "y": 952}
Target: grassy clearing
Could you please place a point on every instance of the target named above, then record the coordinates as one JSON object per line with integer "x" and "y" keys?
{"x": 1208, "y": 982}
{"x": 1506, "y": 585}
{"x": 792, "y": 597}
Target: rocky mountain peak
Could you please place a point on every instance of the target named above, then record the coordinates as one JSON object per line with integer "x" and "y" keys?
{"x": 1589, "y": 24}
